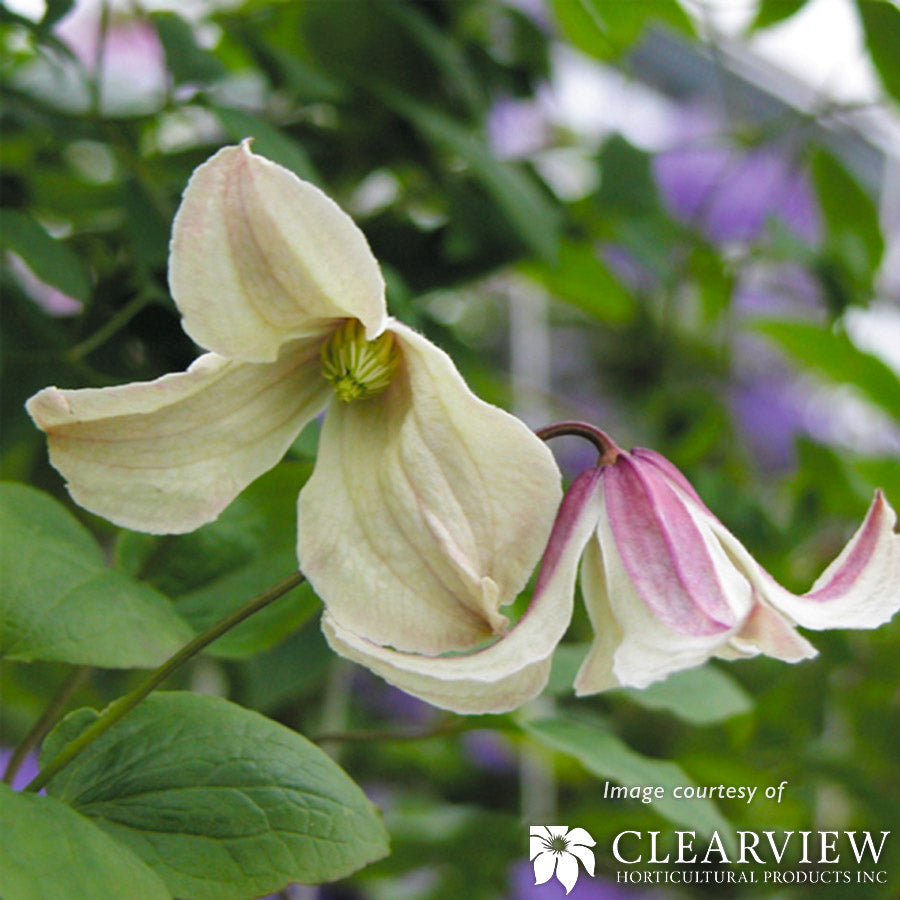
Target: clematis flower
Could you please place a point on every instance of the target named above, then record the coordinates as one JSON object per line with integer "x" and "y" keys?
{"x": 554, "y": 849}
{"x": 667, "y": 586}
{"x": 427, "y": 509}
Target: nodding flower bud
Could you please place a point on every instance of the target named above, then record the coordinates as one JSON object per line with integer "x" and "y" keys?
{"x": 356, "y": 367}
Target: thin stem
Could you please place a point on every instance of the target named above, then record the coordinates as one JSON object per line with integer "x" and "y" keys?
{"x": 121, "y": 707}
{"x": 116, "y": 322}
{"x": 608, "y": 449}
{"x": 46, "y": 721}
{"x": 444, "y": 727}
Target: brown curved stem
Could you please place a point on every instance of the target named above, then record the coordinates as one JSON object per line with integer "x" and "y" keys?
{"x": 608, "y": 449}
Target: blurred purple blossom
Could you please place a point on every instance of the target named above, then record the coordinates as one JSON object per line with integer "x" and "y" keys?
{"x": 27, "y": 771}
{"x": 489, "y": 750}
{"x": 731, "y": 193}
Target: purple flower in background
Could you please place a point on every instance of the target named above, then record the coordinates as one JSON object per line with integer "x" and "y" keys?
{"x": 731, "y": 193}
{"x": 522, "y": 887}
{"x": 489, "y": 750}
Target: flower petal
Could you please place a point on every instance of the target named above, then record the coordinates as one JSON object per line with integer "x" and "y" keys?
{"x": 661, "y": 548}
{"x": 567, "y": 871}
{"x": 767, "y": 631}
{"x": 861, "y": 587}
{"x": 634, "y": 646}
{"x": 427, "y": 509}
{"x": 544, "y": 866}
{"x": 166, "y": 456}
{"x": 259, "y": 257}
{"x": 515, "y": 668}
{"x": 536, "y": 844}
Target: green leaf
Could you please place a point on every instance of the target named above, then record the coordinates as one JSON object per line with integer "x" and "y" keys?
{"x": 188, "y": 63}
{"x": 771, "y": 12}
{"x": 607, "y": 28}
{"x": 49, "y": 852}
{"x": 881, "y": 24}
{"x": 56, "y": 10}
{"x": 223, "y": 803}
{"x": 60, "y": 602}
{"x": 213, "y": 570}
{"x": 606, "y": 756}
{"x": 580, "y": 277}
{"x": 268, "y": 141}
{"x": 526, "y": 208}
{"x": 835, "y": 357}
{"x": 702, "y": 696}
{"x": 881, "y": 473}
{"x": 853, "y": 233}
{"x": 51, "y": 260}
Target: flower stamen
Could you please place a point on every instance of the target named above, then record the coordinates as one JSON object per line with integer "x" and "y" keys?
{"x": 355, "y": 367}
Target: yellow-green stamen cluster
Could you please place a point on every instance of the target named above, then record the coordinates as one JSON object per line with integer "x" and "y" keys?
{"x": 355, "y": 367}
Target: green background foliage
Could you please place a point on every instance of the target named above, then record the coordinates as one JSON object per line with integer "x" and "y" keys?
{"x": 393, "y": 107}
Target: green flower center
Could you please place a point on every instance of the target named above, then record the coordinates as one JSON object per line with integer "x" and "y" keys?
{"x": 355, "y": 367}
{"x": 558, "y": 844}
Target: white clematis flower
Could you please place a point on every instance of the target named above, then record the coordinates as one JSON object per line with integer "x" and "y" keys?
{"x": 667, "y": 586}
{"x": 555, "y": 850}
{"x": 427, "y": 509}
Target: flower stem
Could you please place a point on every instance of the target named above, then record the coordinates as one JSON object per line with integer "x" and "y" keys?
{"x": 608, "y": 449}
{"x": 121, "y": 707}
{"x": 45, "y": 722}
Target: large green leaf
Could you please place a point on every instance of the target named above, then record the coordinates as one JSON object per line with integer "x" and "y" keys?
{"x": 833, "y": 355}
{"x": 854, "y": 242}
{"x": 51, "y": 260}
{"x": 527, "y": 209}
{"x": 770, "y": 12}
{"x": 881, "y": 24}
{"x": 604, "y": 754}
{"x": 215, "y": 569}
{"x": 607, "y": 28}
{"x": 60, "y": 602}
{"x": 50, "y": 852}
{"x": 702, "y": 696}
{"x": 580, "y": 277}
{"x": 223, "y": 803}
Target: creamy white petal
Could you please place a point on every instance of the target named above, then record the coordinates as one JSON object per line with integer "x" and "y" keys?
{"x": 259, "y": 257}
{"x": 860, "y": 589}
{"x": 515, "y": 668}
{"x": 166, "y": 456}
{"x": 427, "y": 510}
{"x": 581, "y": 836}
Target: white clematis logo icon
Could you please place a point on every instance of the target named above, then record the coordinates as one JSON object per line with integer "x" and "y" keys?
{"x": 556, "y": 849}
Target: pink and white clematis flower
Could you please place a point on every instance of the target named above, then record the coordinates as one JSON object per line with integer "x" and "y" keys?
{"x": 667, "y": 586}
{"x": 427, "y": 509}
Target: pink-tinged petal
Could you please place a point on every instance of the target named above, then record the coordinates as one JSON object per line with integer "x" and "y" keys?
{"x": 516, "y": 667}
{"x": 259, "y": 257}
{"x": 585, "y": 855}
{"x": 670, "y": 470}
{"x": 860, "y": 589}
{"x": 544, "y": 867}
{"x": 580, "y": 836}
{"x": 663, "y": 550}
{"x": 567, "y": 871}
{"x": 166, "y": 456}
{"x": 428, "y": 509}
{"x": 767, "y": 631}
{"x": 632, "y": 645}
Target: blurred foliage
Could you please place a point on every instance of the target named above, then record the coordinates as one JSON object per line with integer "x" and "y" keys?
{"x": 393, "y": 108}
